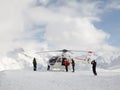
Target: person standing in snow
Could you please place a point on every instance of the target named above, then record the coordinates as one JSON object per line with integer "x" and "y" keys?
{"x": 66, "y": 64}
{"x": 94, "y": 67}
{"x": 34, "y": 64}
{"x": 73, "y": 65}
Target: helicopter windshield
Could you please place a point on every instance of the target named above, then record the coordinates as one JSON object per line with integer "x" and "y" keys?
{"x": 53, "y": 60}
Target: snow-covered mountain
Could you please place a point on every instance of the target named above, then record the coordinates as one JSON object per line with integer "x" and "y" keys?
{"x": 21, "y": 59}
{"x": 110, "y": 60}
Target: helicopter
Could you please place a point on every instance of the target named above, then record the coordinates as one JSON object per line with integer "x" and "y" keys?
{"x": 66, "y": 60}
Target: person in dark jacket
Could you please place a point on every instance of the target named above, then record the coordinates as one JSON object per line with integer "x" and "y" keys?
{"x": 73, "y": 65}
{"x": 94, "y": 67}
{"x": 34, "y": 64}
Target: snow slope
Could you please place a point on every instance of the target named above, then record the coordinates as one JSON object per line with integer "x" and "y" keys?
{"x": 16, "y": 74}
{"x": 80, "y": 80}
{"x": 19, "y": 59}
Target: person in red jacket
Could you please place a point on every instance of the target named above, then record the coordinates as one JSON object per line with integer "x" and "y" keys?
{"x": 66, "y": 64}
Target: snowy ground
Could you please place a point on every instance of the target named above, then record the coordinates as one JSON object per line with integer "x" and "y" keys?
{"x": 80, "y": 80}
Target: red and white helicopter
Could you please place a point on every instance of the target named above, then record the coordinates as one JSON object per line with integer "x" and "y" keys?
{"x": 56, "y": 62}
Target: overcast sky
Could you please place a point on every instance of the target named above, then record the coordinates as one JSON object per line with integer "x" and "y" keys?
{"x": 58, "y": 24}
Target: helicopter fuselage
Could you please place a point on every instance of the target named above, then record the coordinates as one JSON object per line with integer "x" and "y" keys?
{"x": 59, "y": 62}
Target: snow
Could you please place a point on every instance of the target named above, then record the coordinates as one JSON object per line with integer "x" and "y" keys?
{"x": 16, "y": 74}
{"x": 48, "y": 80}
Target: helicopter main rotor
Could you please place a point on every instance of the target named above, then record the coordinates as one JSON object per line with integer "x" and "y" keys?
{"x": 66, "y": 50}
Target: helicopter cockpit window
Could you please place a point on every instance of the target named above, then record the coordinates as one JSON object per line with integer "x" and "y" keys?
{"x": 53, "y": 60}
{"x": 59, "y": 60}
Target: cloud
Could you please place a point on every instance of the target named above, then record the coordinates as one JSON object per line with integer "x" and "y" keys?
{"x": 113, "y": 4}
{"x": 70, "y": 25}
{"x": 75, "y": 33}
{"x": 36, "y": 24}
{"x": 13, "y": 32}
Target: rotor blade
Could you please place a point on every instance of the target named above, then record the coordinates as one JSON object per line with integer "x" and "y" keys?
{"x": 81, "y": 51}
{"x": 47, "y": 51}
{"x": 65, "y": 50}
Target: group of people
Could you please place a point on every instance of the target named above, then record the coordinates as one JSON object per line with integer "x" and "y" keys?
{"x": 66, "y": 64}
